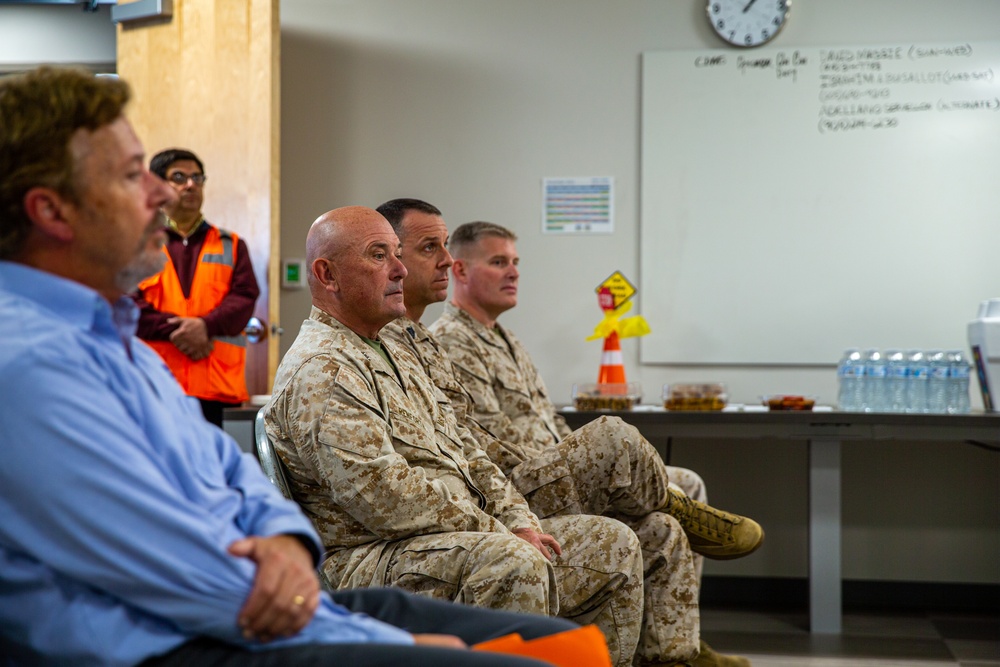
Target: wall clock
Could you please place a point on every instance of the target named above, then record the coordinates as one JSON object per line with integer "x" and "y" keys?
{"x": 747, "y": 23}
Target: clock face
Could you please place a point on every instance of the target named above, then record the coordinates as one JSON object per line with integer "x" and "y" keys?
{"x": 747, "y": 22}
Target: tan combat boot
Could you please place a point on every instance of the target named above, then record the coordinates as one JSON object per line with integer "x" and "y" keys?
{"x": 707, "y": 657}
{"x": 711, "y": 532}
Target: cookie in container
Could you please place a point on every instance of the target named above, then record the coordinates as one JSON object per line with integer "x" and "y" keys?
{"x": 702, "y": 397}
{"x": 608, "y": 397}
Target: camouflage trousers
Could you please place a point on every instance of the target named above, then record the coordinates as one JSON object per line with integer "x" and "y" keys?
{"x": 598, "y": 578}
{"x": 607, "y": 468}
{"x": 693, "y": 486}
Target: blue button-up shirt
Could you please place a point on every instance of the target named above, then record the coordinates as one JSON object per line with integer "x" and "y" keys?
{"x": 117, "y": 499}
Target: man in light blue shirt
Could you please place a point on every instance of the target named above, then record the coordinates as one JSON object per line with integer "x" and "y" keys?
{"x": 132, "y": 531}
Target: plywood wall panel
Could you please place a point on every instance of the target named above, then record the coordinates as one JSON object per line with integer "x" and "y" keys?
{"x": 206, "y": 79}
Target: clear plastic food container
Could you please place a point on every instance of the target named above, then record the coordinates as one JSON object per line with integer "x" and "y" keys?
{"x": 607, "y": 397}
{"x": 695, "y": 396}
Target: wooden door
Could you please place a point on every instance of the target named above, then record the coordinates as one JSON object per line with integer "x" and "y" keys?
{"x": 207, "y": 79}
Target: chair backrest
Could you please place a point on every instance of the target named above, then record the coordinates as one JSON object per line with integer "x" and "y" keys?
{"x": 269, "y": 461}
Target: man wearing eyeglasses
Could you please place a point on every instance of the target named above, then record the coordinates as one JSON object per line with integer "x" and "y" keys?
{"x": 194, "y": 311}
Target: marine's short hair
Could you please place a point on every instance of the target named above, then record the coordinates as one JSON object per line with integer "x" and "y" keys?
{"x": 467, "y": 235}
{"x": 40, "y": 111}
{"x": 395, "y": 209}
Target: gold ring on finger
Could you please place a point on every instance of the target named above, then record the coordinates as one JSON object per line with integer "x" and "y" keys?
{"x": 298, "y": 600}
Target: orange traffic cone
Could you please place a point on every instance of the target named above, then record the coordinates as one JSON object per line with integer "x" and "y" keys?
{"x": 612, "y": 363}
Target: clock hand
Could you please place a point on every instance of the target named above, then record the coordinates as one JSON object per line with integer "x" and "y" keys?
{"x": 749, "y": 5}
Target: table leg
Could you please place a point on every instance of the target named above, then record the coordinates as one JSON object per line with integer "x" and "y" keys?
{"x": 825, "y": 604}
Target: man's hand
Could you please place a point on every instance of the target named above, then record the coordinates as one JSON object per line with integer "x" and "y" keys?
{"x": 439, "y": 641}
{"x": 285, "y": 591}
{"x": 191, "y": 337}
{"x": 540, "y": 541}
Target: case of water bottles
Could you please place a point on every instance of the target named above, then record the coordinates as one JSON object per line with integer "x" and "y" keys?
{"x": 911, "y": 381}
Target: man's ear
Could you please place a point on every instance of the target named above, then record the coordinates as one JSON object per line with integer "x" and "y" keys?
{"x": 458, "y": 269}
{"x": 48, "y": 211}
{"x": 322, "y": 271}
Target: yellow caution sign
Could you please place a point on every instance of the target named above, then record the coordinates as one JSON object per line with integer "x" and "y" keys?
{"x": 620, "y": 288}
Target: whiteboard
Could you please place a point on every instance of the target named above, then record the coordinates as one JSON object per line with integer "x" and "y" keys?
{"x": 796, "y": 202}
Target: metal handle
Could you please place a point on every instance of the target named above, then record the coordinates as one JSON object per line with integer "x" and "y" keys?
{"x": 255, "y": 330}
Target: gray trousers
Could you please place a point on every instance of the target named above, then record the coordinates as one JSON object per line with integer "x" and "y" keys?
{"x": 415, "y": 614}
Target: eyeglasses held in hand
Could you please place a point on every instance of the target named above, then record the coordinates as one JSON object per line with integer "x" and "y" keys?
{"x": 180, "y": 178}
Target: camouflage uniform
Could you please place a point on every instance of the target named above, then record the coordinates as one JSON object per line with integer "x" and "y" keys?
{"x": 604, "y": 468}
{"x": 511, "y": 400}
{"x": 402, "y": 496}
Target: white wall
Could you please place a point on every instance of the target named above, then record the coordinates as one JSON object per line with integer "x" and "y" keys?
{"x": 470, "y": 103}
{"x": 36, "y": 34}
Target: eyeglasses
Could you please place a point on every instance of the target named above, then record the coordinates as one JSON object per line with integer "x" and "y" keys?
{"x": 180, "y": 178}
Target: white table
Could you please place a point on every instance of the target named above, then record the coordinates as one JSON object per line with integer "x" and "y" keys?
{"x": 824, "y": 432}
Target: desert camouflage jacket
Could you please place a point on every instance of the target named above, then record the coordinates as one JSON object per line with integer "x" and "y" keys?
{"x": 437, "y": 365}
{"x": 374, "y": 451}
{"x": 508, "y": 393}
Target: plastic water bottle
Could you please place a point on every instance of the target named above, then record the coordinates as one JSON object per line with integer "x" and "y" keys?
{"x": 873, "y": 396}
{"x": 958, "y": 383}
{"x": 896, "y": 379}
{"x": 917, "y": 379}
{"x": 850, "y": 371}
{"x": 937, "y": 385}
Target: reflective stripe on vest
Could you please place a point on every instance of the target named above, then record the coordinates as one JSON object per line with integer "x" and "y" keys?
{"x": 239, "y": 341}
{"x": 227, "y": 256}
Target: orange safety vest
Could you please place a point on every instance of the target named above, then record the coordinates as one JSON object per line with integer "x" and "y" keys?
{"x": 221, "y": 375}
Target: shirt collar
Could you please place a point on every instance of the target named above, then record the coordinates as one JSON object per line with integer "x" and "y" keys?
{"x": 368, "y": 351}
{"x": 415, "y": 330}
{"x": 172, "y": 226}
{"x": 495, "y": 336}
{"x": 69, "y": 300}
